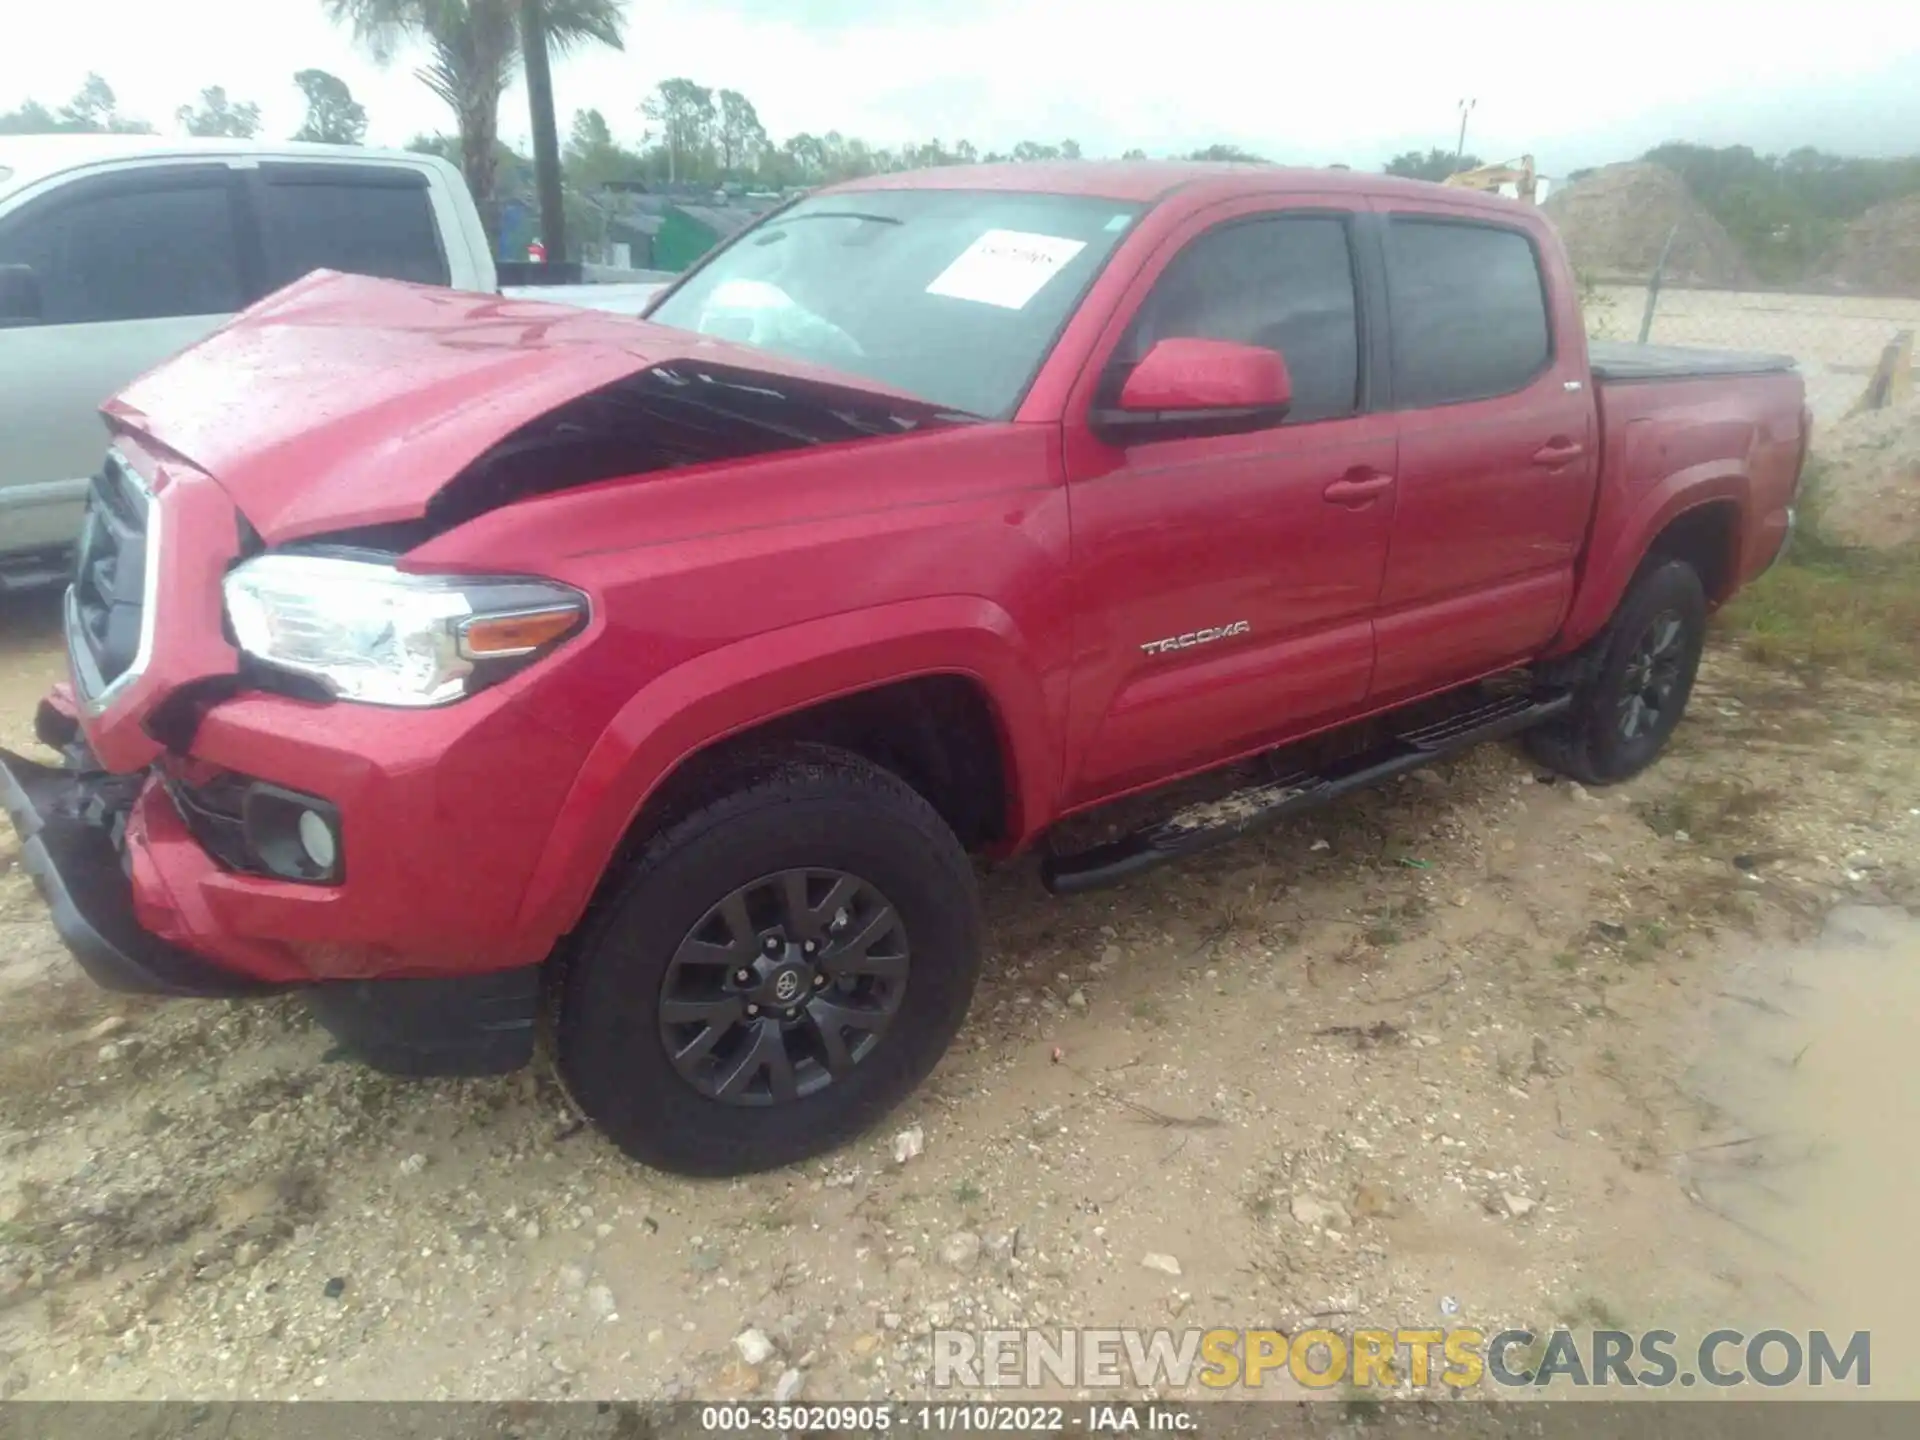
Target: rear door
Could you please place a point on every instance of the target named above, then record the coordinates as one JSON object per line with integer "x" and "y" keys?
{"x": 374, "y": 220}
{"x": 1497, "y": 449}
{"x": 1224, "y": 599}
{"x": 131, "y": 264}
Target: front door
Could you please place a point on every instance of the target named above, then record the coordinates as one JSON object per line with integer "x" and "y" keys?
{"x": 131, "y": 266}
{"x": 1225, "y": 587}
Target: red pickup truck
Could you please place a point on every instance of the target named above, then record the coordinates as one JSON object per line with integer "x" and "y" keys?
{"x": 462, "y": 660}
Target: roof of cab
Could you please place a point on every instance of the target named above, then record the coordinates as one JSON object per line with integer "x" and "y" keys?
{"x": 34, "y": 157}
{"x": 1148, "y": 181}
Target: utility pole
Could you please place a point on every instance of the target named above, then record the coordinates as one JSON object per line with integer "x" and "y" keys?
{"x": 546, "y": 137}
{"x": 1466, "y": 109}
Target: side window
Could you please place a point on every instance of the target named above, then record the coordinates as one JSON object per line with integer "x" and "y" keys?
{"x": 378, "y": 223}
{"x": 144, "y": 250}
{"x": 1468, "y": 310}
{"x": 1285, "y": 282}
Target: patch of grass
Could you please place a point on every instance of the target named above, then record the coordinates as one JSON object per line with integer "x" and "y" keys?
{"x": 1831, "y": 607}
{"x": 1149, "y": 1011}
{"x": 1649, "y": 938}
{"x": 965, "y": 1192}
{"x": 1707, "y": 808}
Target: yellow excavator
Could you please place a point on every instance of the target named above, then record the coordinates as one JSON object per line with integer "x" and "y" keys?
{"x": 1518, "y": 174}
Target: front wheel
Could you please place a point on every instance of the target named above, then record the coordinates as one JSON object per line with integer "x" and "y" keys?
{"x": 1625, "y": 711}
{"x": 777, "y": 971}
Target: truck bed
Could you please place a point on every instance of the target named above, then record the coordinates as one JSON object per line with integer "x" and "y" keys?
{"x": 1622, "y": 360}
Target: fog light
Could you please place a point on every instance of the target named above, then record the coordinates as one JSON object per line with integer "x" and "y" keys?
{"x": 316, "y": 838}
{"x": 294, "y": 836}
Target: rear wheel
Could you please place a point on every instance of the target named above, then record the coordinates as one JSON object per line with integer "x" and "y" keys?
{"x": 776, "y": 972}
{"x": 1637, "y": 683}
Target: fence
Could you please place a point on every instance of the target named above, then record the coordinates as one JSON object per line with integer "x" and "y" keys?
{"x": 1841, "y": 341}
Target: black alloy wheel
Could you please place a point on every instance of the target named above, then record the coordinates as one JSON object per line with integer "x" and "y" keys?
{"x": 784, "y": 986}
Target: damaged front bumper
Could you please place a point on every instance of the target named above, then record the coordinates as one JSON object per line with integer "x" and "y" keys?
{"x": 67, "y": 821}
{"x": 72, "y": 824}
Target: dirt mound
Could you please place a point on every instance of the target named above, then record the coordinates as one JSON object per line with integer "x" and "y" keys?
{"x": 1616, "y": 221}
{"x": 1871, "y": 476}
{"x": 1880, "y": 252}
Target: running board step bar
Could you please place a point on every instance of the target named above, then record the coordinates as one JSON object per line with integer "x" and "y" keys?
{"x": 1203, "y": 826}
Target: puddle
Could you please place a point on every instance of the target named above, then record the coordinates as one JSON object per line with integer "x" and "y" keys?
{"x": 1810, "y": 1070}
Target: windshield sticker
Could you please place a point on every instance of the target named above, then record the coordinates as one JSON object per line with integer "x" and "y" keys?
{"x": 1005, "y": 268}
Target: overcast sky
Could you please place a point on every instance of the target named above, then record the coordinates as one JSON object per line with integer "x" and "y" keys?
{"x": 1574, "y": 85}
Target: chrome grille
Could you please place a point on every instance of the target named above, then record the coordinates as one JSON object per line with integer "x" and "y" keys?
{"x": 104, "y": 607}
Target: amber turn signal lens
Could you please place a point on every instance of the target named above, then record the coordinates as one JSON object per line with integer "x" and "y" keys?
{"x": 489, "y": 637}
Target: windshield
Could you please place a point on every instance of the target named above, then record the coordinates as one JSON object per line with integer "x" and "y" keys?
{"x": 952, "y": 295}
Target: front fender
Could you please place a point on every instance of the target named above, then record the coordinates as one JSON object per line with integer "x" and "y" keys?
{"x": 736, "y": 687}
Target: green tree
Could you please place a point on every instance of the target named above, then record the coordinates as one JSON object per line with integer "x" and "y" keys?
{"x": 1228, "y": 152}
{"x": 686, "y": 120}
{"x": 474, "y": 50}
{"x": 92, "y": 111}
{"x": 739, "y": 133}
{"x": 217, "y": 115}
{"x": 1133, "y": 155}
{"x": 1435, "y": 165}
{"x": 334, "y": 117}
{"x": 594, "y": 158}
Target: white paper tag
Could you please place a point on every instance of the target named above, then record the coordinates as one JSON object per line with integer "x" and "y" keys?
{"x": 1005, "y": 268}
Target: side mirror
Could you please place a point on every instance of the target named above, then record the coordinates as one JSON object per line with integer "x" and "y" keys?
{"x": 1187, "y": 388}
{"x": 19, "y": 295}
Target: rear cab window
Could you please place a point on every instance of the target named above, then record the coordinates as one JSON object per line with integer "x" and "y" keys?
{"x": 373, "y": 220}
{"x": 1467, "y": 304}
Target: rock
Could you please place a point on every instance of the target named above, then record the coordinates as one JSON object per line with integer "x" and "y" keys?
{"x": 754, "y": 1346}
{"x": 1518, "y": 1206}
{"x": 736, "y": 1381}
{"x": 890, "y": 1319}
{"x": 1319, "y": 845}
{"x": 573, "y": 1278}
{"x": 1077, "y": 1000}
{"x": 865, "y": 1345}
{"x": 908, "y": 1143}
{"x": 1002, "y": 1247}
{"x": 334, "y": 1288}
{"x": 788, "y": 1388}
{"x": 1165, "y": 1264}
{"x": 1311, "y": 1210}
{"x": 413, "y": 1164}
{"x": 600, "y": 1301}
{"x": 1578, "y": 792}
{"x": 1111, "y": 955}
{"x": 960, "y": 1250}
{"x": 1681, "y": 837}
{"x": 530, "y": 1230}
{"x": 107, "y": 1028}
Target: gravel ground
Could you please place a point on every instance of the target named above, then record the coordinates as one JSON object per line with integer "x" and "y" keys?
{"x": 1423, "y": 1057}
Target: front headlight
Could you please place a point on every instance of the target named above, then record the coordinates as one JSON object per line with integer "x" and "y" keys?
{"x": 366, "y": 631}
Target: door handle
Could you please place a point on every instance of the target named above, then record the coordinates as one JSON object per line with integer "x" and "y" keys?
{"x": 1360, "y": 486}
{"x": 1559, "y": 451}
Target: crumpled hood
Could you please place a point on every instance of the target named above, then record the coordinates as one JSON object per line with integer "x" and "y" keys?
{"x": 342, "y": 401}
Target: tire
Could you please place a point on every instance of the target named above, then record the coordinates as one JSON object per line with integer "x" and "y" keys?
{"x": 1606, "y": 737}
{"x": 668, "y": 945}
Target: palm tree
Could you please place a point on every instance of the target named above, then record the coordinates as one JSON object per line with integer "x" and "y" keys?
{"x": 474, "y": 49}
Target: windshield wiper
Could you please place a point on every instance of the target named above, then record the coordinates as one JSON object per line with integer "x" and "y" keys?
{"x": 837, "y": 215}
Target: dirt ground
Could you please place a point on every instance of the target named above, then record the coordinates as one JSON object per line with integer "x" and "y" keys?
{"x": 1475, "y": 1049}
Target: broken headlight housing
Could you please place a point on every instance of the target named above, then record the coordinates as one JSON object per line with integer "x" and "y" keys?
{"x": 360, "y": 629}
